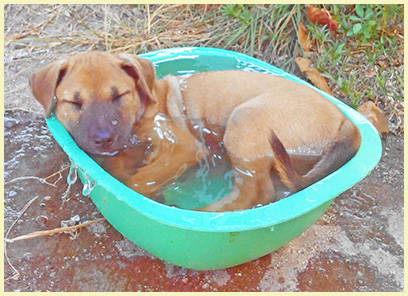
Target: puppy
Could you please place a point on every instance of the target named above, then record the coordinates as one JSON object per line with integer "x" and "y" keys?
{"x": 146, "y": 132}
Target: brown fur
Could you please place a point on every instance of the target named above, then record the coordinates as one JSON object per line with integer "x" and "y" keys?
{"x": 104, "y": 100}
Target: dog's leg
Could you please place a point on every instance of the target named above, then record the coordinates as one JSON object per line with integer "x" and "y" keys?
{"x": 168, "y": 161}
{"x": 252, "y": 186}
{"x": 149, "y": 179}
{"x": 252, "y": 180}
{"x": 246, "y": 141}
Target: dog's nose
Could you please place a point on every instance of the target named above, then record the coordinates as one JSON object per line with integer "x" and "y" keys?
{"x": 103, "y": 139}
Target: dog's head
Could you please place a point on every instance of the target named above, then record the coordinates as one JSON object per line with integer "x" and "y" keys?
{"x": 99, "y": 97}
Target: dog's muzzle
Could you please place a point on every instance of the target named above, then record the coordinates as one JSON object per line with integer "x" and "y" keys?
{"x": 102, "y": 130}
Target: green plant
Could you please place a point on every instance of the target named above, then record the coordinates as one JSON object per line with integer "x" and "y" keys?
{"x": 355, "y": 99}
{"x": 253, "y": 29}
{"x": 361, "y": 61}
{"x": 241, "y": 13}
{"x": 381, "y": 80}
{"x": 238, "y": 11}
{"x": 365, "y": 22}
{"x": 336, "y": 50}
{"x": 320, "y": 34}
{"x": 345, "y": 85}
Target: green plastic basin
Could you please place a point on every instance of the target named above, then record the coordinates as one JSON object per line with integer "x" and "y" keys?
{"x": 204, "y": 240}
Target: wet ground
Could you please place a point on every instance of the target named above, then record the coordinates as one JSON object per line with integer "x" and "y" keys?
{"x": 357, "y": 245}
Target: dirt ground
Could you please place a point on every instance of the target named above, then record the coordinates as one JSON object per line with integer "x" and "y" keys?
{"x": 357, "y": 245}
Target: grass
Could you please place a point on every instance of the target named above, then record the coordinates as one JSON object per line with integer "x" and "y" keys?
{"x": 362, "y": 61}
{"x": 264, "y": 31}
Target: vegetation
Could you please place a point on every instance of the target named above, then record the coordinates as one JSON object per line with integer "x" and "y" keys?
{"x": 361, "y": 60}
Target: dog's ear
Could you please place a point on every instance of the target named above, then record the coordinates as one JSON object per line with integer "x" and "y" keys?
{"x": 44, "y": 82}
{"x": 142, "y": 71}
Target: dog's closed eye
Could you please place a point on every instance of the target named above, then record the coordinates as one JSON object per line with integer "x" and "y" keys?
{"x": 116, "y": 96}
{"x": 73, "y": 103}
{"x": 76, "y": 101}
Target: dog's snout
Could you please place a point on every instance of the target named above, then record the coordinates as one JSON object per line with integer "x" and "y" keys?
{"x": 101, "y": 129}
{"x": 103, "y": 138}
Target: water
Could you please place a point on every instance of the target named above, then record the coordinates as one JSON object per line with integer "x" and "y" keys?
{"x": 208, "y": 181}
{"x": 19, "y": 134}
{"x": 73, "y": 174}
{"x": 187, "y": 65}
{"x": 89, "y": 185}
{"x": 162, "y": 130}
{"x": 72, "y": 177}
{"x": 212, "y": 178}
{"x": 195, "y": 189}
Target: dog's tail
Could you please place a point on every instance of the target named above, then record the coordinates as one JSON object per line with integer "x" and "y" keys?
{"x": 337, "y": 153}
{"x": 341, "y": 150}
{"x": 284, "y": 167}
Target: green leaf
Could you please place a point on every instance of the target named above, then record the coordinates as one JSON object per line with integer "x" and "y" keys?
{"x": 339, "y": 49}
{"x": 368, "y": 13}
{"x": 366, "y": 32}
{"x": 360, "y": 10}
{"x": 335, "y": 10}
{"x": 345, "y": 26}
{"x": 357, "y": 29}
{"x": 372, "y": 23}
{"x": 355, "y": 18}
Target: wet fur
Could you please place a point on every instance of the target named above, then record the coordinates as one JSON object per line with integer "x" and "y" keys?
{"x": 266, "y": 123}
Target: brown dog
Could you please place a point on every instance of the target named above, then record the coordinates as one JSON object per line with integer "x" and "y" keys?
{"x": 113, "y": 105}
